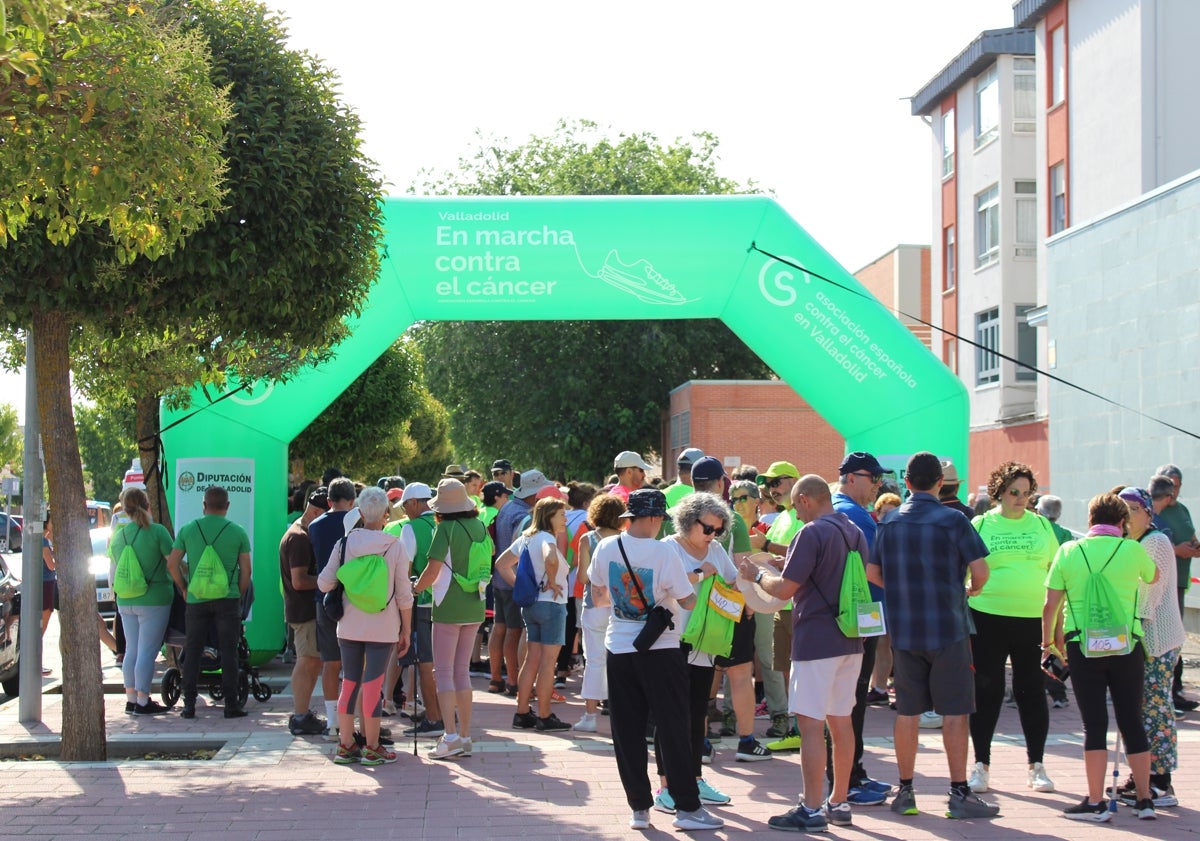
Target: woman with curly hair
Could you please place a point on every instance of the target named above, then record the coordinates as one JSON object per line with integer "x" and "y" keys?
{"x": 1007, "y": 616}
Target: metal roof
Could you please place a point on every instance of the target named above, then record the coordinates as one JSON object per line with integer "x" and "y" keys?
{"x": 979, "y": 54}
{"x": 1027, "y": 13}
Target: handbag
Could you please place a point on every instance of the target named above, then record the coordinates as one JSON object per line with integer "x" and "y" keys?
{"x": 335, "y": 608}
{"x": 657, "y": 620}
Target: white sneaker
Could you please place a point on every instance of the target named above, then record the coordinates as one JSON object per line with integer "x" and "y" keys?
{"x": 445, "y": 749}
{"x": 981, "y": 777}
{"x": 586, "y": 724}
{"x": 640, "y": 819}
{"x": 1038, "y": 780}
{"x": 389, "y": 707}
{"x": 930, "y": 720}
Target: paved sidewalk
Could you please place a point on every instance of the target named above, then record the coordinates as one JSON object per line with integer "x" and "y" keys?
{"x": 267, "y": 785}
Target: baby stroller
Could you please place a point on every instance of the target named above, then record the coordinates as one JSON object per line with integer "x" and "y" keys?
{"x": 210, "y": 662}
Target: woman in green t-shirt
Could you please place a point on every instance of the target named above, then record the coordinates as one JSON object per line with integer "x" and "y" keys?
{"x": 143, "y": 617}
{"x": 1008, "y": 621}
{"x": 458, "y": 608}
{"x": 1124, "y": 565}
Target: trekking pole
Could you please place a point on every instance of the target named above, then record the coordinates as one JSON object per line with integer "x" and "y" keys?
{"x": 415, "y": 677}
{"x": 1112, "y": 803}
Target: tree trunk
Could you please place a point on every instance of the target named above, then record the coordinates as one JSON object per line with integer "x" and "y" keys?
{"x": 146, "y": 413}
{"x": 83, "y": 693}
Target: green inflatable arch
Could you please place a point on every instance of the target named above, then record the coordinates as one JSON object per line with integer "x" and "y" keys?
{"x": 538, "y": 259}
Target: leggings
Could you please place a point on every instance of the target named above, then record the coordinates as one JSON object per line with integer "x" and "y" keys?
{"x": 147, "y": 624}
{"x": 997, "y": 639}
{"x": 363, "y": 666}
{"x": 1158, "y": 712}
{"x": 452, "y": 644}
{"x": 1124, "y": 678}
{"x": 700, "y": 680}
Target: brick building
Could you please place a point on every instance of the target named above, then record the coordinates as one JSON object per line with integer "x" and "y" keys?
{"x": 750, "y": 422}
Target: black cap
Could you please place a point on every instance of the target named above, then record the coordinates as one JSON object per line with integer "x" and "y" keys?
{"x": 319, "y": 497}
{"x": 646, "y": 502}
{"x": 502, "y": 465}
{"x": 491, "y": 490}
{"x": 856, "y": 462}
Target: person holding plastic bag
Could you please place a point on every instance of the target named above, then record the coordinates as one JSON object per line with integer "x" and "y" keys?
{"x": 458, "y": 571}
{"x": 1098, "y": 578}
{"x": 367, "y": 631}
{"x": 700, "y": 520}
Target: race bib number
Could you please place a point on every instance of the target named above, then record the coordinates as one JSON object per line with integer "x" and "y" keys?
{"x": 870, "y": 619}
{"x": 1101, "y": 642}
{"x": 727, "y": 601}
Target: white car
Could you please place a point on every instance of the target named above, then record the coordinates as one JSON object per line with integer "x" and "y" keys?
{"x": 98, "y": 566}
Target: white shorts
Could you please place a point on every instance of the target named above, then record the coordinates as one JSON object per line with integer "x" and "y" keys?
{"x": 821, "y": 688}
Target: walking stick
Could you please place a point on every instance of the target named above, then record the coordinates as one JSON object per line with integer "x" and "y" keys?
{"x": 1112, "y": 802}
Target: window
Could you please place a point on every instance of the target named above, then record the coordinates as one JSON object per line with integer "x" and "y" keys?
{"x": 1025, "y": 229}
{"x": 1058, "y": 198}
{"x": 950, "y": 267}
{"x": 1058, "y": 65}
{"x": 950, "y": 354}
{"x": 1026, "y": 345}
{"x": 987, "y": 226}
{"x": 987, "y": 336}
{"x": 681, "y": 430}
{"x": 987, "y": 107}
{"x": 948, "y": 143}
{"x": 1024, "y": 95}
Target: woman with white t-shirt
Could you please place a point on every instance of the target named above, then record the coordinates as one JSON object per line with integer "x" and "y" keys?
{"x": 700, "y": 520}
{"x": 545, "y": 619}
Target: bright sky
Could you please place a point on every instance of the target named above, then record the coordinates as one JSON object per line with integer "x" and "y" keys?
{"x": 807, "y": 98}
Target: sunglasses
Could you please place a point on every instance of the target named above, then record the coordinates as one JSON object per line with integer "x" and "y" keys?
{"x": 875, "y": 478}
{"x": 707, "y": 529}
{"x": 736, "y": 499}
{"x": 1017, "y": 492}
{"x": 776, "y": 482}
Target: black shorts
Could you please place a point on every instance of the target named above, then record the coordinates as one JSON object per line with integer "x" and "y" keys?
{"x": 942, "y": 680}
{"x": 327, "y": 638}
{"x": 50, "y": 595}
{"x": 506, "y": 611}
{"x": 743, "y": 645}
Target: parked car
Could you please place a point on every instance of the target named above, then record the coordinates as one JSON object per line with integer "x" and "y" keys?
{"x": 98, "y": 565}
{"x": 10, "y": 622}
{"x": 10, "y": 535}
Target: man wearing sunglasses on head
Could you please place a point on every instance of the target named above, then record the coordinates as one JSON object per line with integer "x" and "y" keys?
{"x": 859, "y": 478}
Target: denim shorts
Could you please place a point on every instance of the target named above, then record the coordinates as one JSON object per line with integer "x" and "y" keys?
{"x": 545, "y": 622}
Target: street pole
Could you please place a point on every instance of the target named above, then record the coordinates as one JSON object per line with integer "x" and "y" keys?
{"x": 29, "y": 708}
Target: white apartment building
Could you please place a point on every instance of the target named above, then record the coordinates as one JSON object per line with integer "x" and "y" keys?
{"x": 982, "y": 110}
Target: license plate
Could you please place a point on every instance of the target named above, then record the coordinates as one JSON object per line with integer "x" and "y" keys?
{"x": 104, "y": 594}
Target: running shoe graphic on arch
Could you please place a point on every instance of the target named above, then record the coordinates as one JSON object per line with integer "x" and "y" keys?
{"x": 639, "y": 279}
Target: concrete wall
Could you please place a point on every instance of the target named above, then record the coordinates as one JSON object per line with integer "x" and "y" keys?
{"x": 1124, "y": 297}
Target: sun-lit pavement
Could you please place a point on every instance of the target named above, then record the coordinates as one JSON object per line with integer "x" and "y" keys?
{"x": 266, "y": 784}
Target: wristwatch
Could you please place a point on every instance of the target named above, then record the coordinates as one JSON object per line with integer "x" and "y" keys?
{"x": 759, "y": 577}
{"x": 766, "y": 546}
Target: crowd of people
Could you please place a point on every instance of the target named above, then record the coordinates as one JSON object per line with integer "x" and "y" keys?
{"x": 700, "y": 607}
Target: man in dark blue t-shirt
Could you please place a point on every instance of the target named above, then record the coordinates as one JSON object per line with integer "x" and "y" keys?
{"x": 324, "y": 533}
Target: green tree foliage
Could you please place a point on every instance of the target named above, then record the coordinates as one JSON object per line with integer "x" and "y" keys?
{"x": 11, "y": 442}
{"x": 427, "y": 448}
{"x": 365, "y": 431}
{"x": 568, "y": 396}
{"x": 106, "y": 444}
{"x": 111, "y": 150}
{"x": 262, "y": 290}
